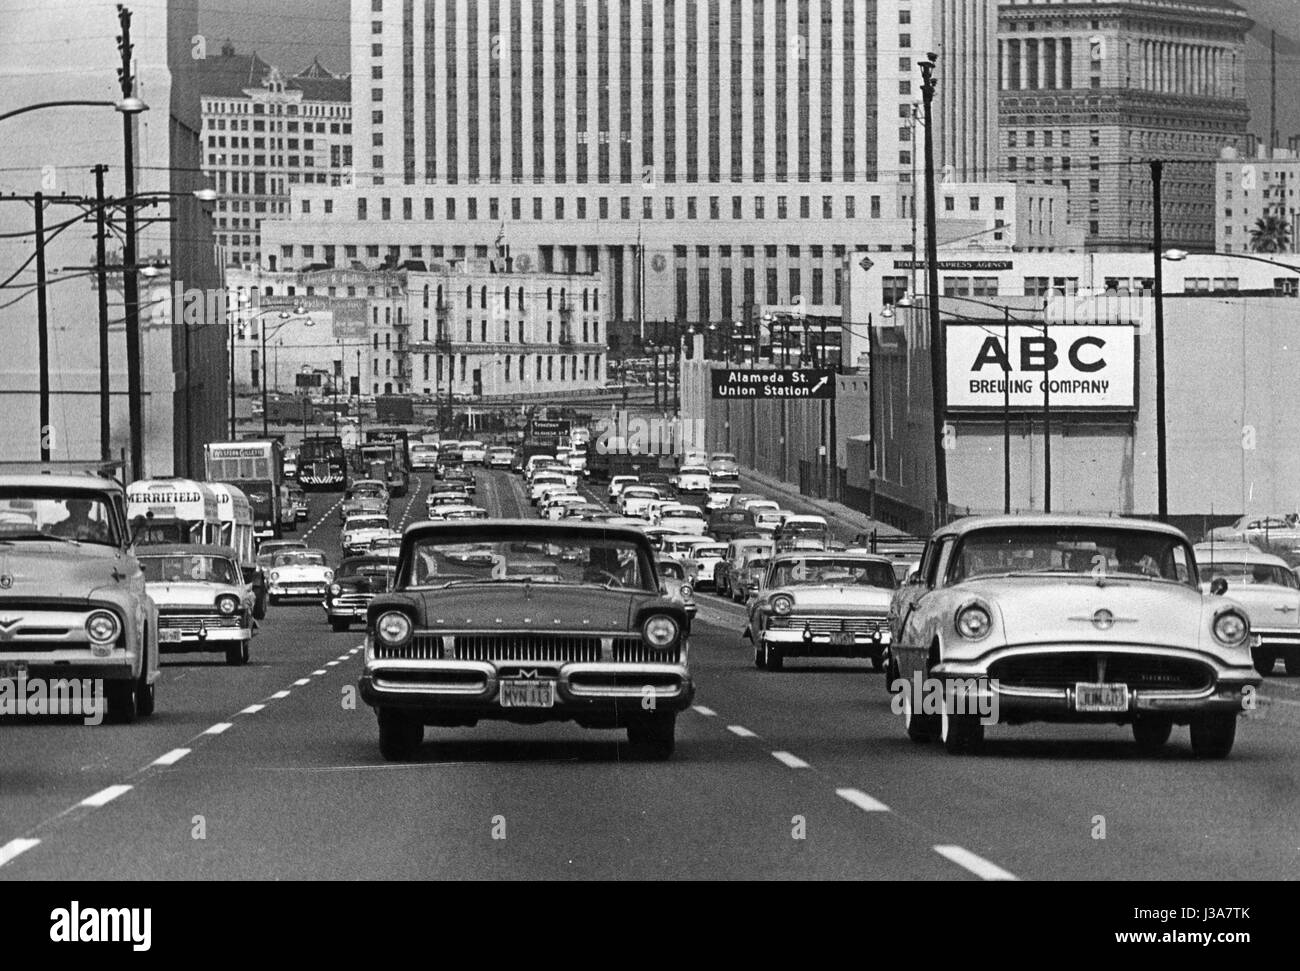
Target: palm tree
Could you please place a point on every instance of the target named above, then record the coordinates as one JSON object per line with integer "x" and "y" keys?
{"x": 1272, "y": 234}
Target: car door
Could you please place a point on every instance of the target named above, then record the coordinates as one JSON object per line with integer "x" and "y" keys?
{"x": 907, "y": 603}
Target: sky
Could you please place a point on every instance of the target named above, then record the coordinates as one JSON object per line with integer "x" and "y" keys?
{"x": 289, "y": 33}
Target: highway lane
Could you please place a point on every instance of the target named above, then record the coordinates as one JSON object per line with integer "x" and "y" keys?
{"x": 297, "y": 789}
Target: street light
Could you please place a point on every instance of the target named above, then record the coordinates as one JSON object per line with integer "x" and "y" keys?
{"x": 285, "y": 317}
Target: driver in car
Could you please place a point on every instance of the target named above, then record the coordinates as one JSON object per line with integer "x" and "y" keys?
{"x": 78, "y": 525}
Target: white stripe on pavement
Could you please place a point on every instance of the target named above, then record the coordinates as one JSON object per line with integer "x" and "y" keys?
{"x": 741, "y": 730}
{"x": 301, "y": 681}
{"x": 280, "y": 694}
{"x": 172, "y": 757}
{"x": 105, "y": 796}
{"x": 862, "y": 800}
{"x": 318, "y": 672}
{"x": 790, "y": 761}
{"x": 218, "y": 728}
{"x": 977, "y": 865}
{"x": 15, "y": 847}
{"x": 330, "y": 664}
{"x": 252, "y": 709}
{"x": 706, "y": 712}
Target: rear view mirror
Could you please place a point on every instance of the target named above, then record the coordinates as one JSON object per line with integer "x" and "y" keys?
{"x": 1219, "y": 586}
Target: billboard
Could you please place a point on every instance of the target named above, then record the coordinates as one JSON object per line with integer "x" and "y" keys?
{"x": 1087, "y": 367}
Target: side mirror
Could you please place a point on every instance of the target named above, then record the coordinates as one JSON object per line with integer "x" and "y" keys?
{"x": 1219, "y": 586}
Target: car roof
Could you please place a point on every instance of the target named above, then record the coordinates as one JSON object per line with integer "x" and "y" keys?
{"x": 187, "y": 549}
{"x": 832, "y": 555}
{"x": 62, "y": 481}
{"x": 1238, "y": 553}
{"x": 311, "y": 549}
{"x": 969, "y": 524}
{"x": 591, "y": 530}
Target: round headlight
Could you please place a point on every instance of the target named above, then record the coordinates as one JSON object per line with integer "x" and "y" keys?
{"x": 660, "y": 631}
{"x": 227, "y": 604}
{"x": 393, "y": 628}
{"x": 1231, "y": 628}
{"x": 275, "y": 575}
{"x": 335, "y": 590}
{"x": 329, "y": 575}
{"x": 782, "y": 604}
{"x": 974, "y": 622}
{"x": 687, "y": 591}
{"x": 102, "y": 627}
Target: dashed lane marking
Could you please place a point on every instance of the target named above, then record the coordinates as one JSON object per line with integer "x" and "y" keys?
{"x": 977, "y": 865}
{"x": 105, "y": 796}
{"x": 789, "y": 760}
{"x": 742, "y": 731}
{"x": 706, "y": 712}
{"x": 218, "y": 728}
{"x": 301, "y": 681}
{"x": 14, "y": 847}
{"x": 251, "y": 710}
{"x": 172, "y": 757}
{"x": 280, "y": 694}
{"x": 860, "y": 799}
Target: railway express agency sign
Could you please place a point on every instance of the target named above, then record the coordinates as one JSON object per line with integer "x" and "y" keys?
{"x": 1087, "y": 367}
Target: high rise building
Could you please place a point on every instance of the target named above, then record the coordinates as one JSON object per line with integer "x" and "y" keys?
{"x": 1249, "y": 189}
{"x": 264, "y": 132}
{"x": 1089, "y": 92}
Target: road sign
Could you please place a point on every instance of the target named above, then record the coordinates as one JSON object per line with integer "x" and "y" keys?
{"x": 815, "y": 383}
{"x": 549, "y": 428}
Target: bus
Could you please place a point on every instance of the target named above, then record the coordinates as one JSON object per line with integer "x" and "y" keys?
{"x": 237, "y": 532}
{"x": 322, "y": 464}
{"x": 400, "y": 463}
{"x": 257, "y": 469}
{"x": 172, "y": 510}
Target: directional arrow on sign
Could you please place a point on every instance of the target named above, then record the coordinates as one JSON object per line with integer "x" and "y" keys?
{"x": 820, "y": 384}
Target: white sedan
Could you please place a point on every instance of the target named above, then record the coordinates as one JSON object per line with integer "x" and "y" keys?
{"x": 682, "y": 518}
{"x": 617, "y": 483}
{"x": 707, "y": 557}
{"x": 557, "y": 504}
{"x": 299, "y": 575}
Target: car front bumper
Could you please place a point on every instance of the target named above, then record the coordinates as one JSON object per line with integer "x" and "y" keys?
{"x": 1280, "y": 641}
{"x": 75, "y": 663}
{"x": 793, "y": 643}
{"x": 313, "y": 592}
{"x": 471, "y": 689}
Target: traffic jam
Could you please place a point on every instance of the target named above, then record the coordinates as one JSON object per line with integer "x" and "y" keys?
{"x": 578, "y": 604}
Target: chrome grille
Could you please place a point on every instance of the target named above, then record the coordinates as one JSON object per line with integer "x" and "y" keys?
{"x": 1137, "y": 671}
{"x": 561, "y": 648}
{"x": 633, "y": 650}
{"x": 193, "y": 621}
{"x": 421, "y": 647}
{"x": 867, "y": 624}
{"x": 353, "y": 599}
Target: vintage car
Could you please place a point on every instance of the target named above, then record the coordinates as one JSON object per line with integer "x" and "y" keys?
{"x": 203, "y": 603}
{"x": 691, "y": 480}
{"x": 473, "y": 453}
{"x": 1270, "y": 592}
{"x": 727, "y": 524}
{"x": 729, "y": 565}
{"x": 356, "y": 582}
{"x": 454, "y": 513}
{"x": 592, "y": 637}
{"x": 1068, "y": 619}
{"x": 741, "y": 500}
{"x": 358, "y": 531}
{"x": 723, "y": 465}
{"x": 424, "y": 456}
{"x": 364, "y": 496}
{"x": 822, "y": 605}
{"x": 588, "y": 512}
{"x": 385, "y": 547}
{"x": 802, "y": 527}
{"x": 298, "y": 502}
{"x": 681, "y": 517}
{"x": 617, "y": 483}
{"x": 460, "y": 477}
{"x": 299, "y": 575}
{"x": 1275, "y": 532}
{"x": 633, "y": 500}
{"x": 556, "y": 504}
{"x": 748, "y": 579}
{"x": 675, "y": 577}
{"x": 268, "y": 548}
{"x": 720, "y": 494}
{"x": 500, "y": 457}
{"x": 544, "y": 482}
{"x": 706, "y": 558}
{"x": 73, "y": 601}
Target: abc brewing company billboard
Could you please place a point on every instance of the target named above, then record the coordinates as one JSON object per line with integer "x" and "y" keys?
{"x": 1089, "y": 365}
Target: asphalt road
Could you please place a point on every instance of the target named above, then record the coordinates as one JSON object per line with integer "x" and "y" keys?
{"x": 267, "y": 772}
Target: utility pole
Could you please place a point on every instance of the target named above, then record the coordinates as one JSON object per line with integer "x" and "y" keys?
{"x": 101, "y": 277}
{"x": 130, "y": 283}
{"x": 1006, "y": 413}
{"x": 42, "y": 330}
{"x": 872, "y": 379}
{"x": 1162, "y": 481}
{"x": 938, "y": 363}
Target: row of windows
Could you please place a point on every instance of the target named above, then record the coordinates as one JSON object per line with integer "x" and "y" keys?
{"x": 308, "y": 127}
{"x": 341, "y": 109}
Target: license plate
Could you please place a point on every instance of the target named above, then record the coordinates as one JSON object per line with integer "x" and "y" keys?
{"x": 842, "y": 638}
{"x": 12, "y": 670}
{"x": 1100, "y": 697}
{"x": 527, "y": 694}
{"x": 169, "y": 636}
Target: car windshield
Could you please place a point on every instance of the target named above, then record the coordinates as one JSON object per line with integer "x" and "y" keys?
{"x": 299, "y": 558}
{"x": 1251, "y": 573}
{"x": 486, "y": 555}
{"x": 709, "y": 552}
{"x": 1088, "y": 551}
{"x": 370, "y": 522}
{"x": 757, "y": 563}
{"x": 366, "y": 569}
{"x": 39, "y": 513}
{"x": 723, "y": 457}
{"x": 683, "y": 512}
{"x": 695, "y": 470}
{"x": 804, "y": 571}
{"x": 640, "y": 493}
{"x": 672, "y": 570}
{"x": 185, "y": 567}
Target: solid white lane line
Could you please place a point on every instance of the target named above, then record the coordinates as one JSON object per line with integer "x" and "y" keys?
{"x": 741, "y": 730}
{"x": 252, "y": 709}
{"x": 218, "y": 728}
{"x": 977, "y": 865}
{"x": 790, "y": 761}
{"x": 862, "y": 800}
{"x": 301, "y": 681}
{"x": 15, "y": 847}
{"x": 104, "y": 796}
{"x": 172, "y": 757}
{"x": 706, "y": 712}
{"x": 280, "y": 694}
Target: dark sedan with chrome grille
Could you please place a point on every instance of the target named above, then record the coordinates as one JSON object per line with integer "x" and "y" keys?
{"x": 358, "y": 581}
{"x": 559, "y": 621}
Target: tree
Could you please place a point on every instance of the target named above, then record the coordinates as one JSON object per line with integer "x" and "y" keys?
{"x": 1272, "y": 234}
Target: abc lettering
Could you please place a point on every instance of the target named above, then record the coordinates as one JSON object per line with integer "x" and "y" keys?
{"x": 1040, "y": 354}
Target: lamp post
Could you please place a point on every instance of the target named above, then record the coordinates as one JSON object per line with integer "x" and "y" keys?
{"x": 938, "y": 372}
{"x": 285, "y": 317}
{"x": 1162, "y": 481}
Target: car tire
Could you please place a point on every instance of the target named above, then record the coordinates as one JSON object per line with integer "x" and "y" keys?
{"x": 1293, "y": 665}
{"x": 259, "y": 604}
{"x": 1151, "y": 732}
{"x": 878, "y": 662}
{"x": 237, "y": 653}
{"x": 760, "y": 662}
{"x": 340, "y": 624}
{"x": 1264, "y": 663}
{"x": 144, "y": 691}
{"x": 1213, "y": 735}
{"x": 655, "y": 737}
{"x": 773, "y": 661}
{"x": 400, "y": 735}
{"x": 919, "y": 727}
{"x": 122, "y": 699}
{"x": 961, "y": 734}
